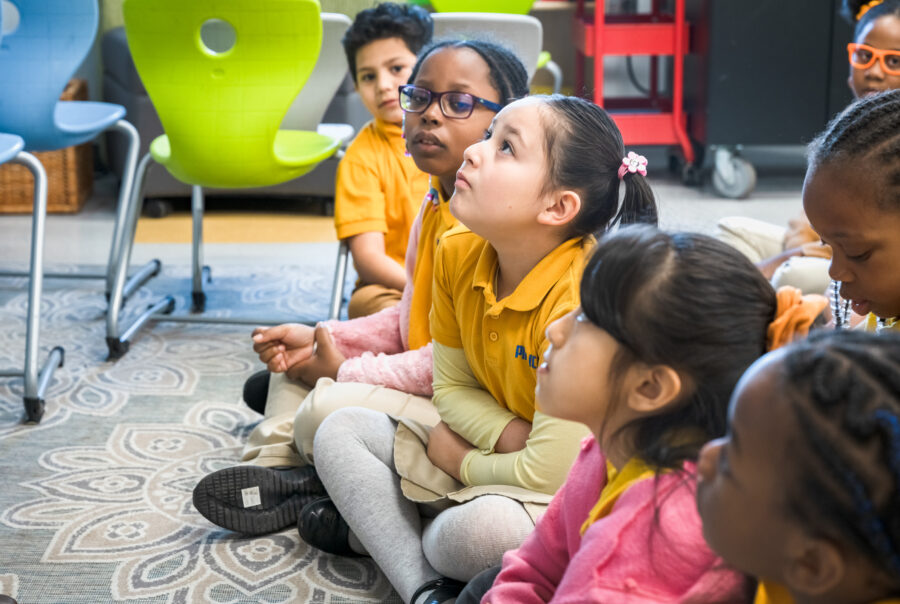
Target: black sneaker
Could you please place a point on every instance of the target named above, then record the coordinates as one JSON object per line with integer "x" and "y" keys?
{"x": 256, "y": 390}
{"x": 255, "y": 500}
{"x": 438, "y": 591}
{"x": 322, "y": 526}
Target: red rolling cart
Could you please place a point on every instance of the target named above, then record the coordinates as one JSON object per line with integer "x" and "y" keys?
{"x": 655, "y": 119}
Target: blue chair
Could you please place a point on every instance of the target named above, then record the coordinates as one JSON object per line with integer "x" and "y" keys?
{"x": 36, "y": 382}
{"x": 37, "y": 58}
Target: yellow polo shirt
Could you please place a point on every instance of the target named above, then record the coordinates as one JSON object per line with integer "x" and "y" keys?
{"x": 503, "y": 339}
{"x": 772, "y": 593}
{"x": 873, "y": 324}
{"x": 378, "y": 188}
{"x": 436, "y": 220}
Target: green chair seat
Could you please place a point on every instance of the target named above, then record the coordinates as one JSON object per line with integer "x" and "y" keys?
{"x": 294, "y": 153}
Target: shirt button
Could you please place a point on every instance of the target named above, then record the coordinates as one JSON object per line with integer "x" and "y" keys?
{"x": 493, "y": 336}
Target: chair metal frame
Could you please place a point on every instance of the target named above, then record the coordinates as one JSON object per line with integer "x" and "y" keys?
{"x": 50, "y": 135}
{"x": 117, "y": 337}
{"x": 36, "y": 380}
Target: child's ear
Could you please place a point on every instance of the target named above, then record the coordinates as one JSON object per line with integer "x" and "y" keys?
{"x": 654, "y": 388}
{"x": 814, "y": 566}
{"x": 561, "y": 208}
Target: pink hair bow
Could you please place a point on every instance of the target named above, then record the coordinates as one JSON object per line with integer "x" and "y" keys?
{"x": 633, "y": 163}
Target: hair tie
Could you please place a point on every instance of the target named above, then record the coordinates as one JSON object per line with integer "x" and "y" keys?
{"x": 794, "y": 315}
{"x": 633, "y": 163}
{"x": 867, "y": 7}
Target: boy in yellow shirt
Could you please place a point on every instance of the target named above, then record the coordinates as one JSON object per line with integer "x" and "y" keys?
{"x": 379, "y": 188}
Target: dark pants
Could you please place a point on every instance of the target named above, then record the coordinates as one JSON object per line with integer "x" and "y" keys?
{"x": 477, "y": 587}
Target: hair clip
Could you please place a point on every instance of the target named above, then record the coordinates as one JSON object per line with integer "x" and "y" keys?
{"x": 633, "y": 163}
{"x": 867, "y": 7}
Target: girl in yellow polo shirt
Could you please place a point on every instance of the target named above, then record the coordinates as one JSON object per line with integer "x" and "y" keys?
{"x": 546, "y": 176}
{"x": 804, "y": 491}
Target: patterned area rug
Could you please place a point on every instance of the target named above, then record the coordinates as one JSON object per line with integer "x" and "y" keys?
{"x": 96, "y": 504}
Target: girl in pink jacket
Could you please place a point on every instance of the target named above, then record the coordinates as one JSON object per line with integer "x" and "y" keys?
{"x": 667, "y": 325}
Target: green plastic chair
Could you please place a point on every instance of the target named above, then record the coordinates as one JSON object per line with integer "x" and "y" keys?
{"x": 220, "y": 109}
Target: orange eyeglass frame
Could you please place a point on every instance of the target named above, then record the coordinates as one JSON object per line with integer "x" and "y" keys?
{"x": 877, "y": 55}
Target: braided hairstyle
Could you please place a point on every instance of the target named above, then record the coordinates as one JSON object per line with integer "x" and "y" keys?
{"x": 866, "y": 132}
{"x": 507, "y": 74}
{"x": 687, "y": 301}
{"x": 851, "y": 9}
{"x": 844, "y": 390}
{"x": 584, "y": 149}
{"x": 409, "y": 22}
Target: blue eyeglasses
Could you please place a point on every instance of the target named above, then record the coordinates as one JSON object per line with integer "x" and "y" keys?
{"x": 455, "y": 105}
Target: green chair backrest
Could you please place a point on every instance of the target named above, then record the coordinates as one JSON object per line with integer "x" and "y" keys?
{"x": 221, "y": 111}
{"x": 512, "y": 7}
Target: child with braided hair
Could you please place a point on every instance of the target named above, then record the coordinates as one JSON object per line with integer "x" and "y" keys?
{"x": 804, "y": 491}
{"x": 852, "y": 198}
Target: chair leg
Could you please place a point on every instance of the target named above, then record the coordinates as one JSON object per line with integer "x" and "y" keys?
{"x": 197, "y": 269}
{"x": 557, "y": 74}
{"x": 340, "y": 276}
{"x": 120, "y": 230}
{"x": 117, "y": 340}
{"x": 36, "y": 381}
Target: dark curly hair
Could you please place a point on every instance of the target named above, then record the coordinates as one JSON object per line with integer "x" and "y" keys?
{"x": 844, "y": 391}
{"x": 687, "y": 301}
{"x": 409, "y": 22}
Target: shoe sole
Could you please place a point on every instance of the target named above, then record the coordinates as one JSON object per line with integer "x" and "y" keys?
{"x": 254, "y": 500}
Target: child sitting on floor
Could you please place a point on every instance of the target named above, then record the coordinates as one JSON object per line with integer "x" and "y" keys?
{"x": 545, "y": 178}
{"x": 804, "y": 491}
{"x": 667, "y": 325}
{"x": 852, "y": 197}
{"x": 382, "y": 361}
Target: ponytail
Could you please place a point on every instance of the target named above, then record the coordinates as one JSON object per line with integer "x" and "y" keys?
{"x": 639, "y": 204}
{"x": 585, "y": 150}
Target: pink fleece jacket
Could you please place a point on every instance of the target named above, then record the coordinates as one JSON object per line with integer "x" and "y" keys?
{"x": 648, "y": 549}
{"x": 377, "y": 348}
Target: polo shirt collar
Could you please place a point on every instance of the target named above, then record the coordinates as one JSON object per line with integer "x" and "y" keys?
{"x": 531, "y": 291}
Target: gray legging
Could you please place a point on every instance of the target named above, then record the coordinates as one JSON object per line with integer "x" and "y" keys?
{"x": 354, "y": 453}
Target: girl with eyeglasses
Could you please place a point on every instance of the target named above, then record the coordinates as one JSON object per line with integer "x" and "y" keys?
{"x": 382, "y": 361}
{"x": 434, "y": 506}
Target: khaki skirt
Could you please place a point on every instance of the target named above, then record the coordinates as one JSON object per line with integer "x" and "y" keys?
{"x": 434, "y": 489}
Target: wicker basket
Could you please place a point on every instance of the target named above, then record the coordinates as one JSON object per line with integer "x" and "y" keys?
{"x": 70, "y": 173}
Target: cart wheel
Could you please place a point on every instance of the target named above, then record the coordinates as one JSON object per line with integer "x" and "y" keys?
{"x": 157, "y": 208}
{"x": 691, "y": 175}
{"x": 734, "y": 178}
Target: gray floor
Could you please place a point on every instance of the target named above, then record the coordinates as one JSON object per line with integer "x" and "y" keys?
{"x": 83, "y": 238}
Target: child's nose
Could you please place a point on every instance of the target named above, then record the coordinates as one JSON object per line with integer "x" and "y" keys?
{"x": 875, "y": 71}
{"x": 556, "y": 331}
{"x": 838, "y": 270}
{"x": 470, "y": 155}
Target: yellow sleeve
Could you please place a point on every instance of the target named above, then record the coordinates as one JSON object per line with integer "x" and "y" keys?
{"x": 541, "y": 466}
{"x": 359, "y": 200}
{"x": 464, "y": 405}
{"x": 443, "y": 325}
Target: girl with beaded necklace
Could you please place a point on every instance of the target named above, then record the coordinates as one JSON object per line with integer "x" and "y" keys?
{"x": 851, "y": 195}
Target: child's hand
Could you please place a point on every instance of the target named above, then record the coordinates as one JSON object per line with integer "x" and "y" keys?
{"x": 446, "y": 449}
{"x": 325, "y": 360}
{"x": 283, "y": 346}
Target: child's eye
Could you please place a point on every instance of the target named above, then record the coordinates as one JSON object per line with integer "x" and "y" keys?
{"x": 505, "y": 147}
{"x": 397, "y": 68}
{"x": 487, "y": 134}
{"x": 859, "y": 257}
{"x": 366, "y": 77}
